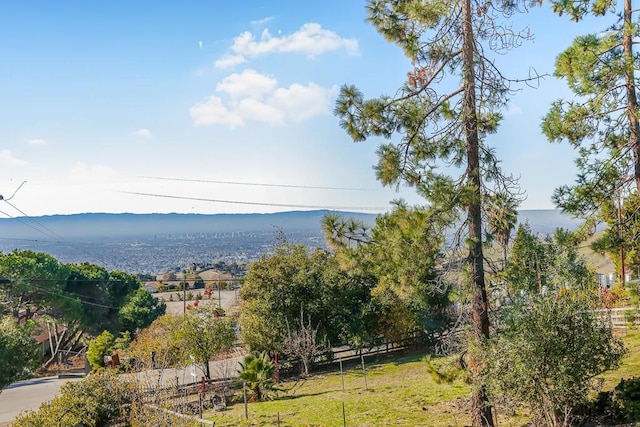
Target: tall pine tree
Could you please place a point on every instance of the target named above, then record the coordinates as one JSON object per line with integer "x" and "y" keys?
{"x": 602, "y": 121}
{"x": 439, "y": 120}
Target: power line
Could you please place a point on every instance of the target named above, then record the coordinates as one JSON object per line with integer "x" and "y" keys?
{"x": 52, "y": 233}
{"x": 257, "y": 184}
{"x": 68, "y": 295}
{"x": 14, "y": 193}
{"x": 237, "y": 202}
{"x": 25, "y": 223}
{"x": 44, "y": 229}
{"x": 30, "y": 240}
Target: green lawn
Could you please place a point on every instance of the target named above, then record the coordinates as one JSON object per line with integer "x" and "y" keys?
{"x": 630, "y": 366}
{"x": 398, "y": 393}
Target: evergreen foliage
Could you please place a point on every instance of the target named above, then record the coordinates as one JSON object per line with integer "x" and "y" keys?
{"x": 547, "y": 354}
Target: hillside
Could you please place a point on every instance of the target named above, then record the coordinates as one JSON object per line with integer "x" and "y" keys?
{"x": 98, "y": 226}
{"x": 153, "y": 243}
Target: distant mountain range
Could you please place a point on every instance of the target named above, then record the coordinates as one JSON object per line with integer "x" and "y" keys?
{"x": 103, "y": 226}
{"x": 153, "y": 243}
{"x": 99, "y": 226}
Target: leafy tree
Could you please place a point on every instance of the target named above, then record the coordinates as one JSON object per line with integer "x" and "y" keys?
{"x": 551, "y": 264}
{"x": 93, "y": 297}
{"x": 140, "y": 311}
{"x": 33, "y": 282}
{"x": 257, "y": 370}
{"x": 294, "y": 278}
{"x": 569, "y": 268}
{"x": 205, "y": 335}
{"x": 36, "y": 283}
{"x": 441, "y": 116}
{"x": 528, "y": 265}
{"x": 72, "y": 301}
{"x": 121, "y": 286}
{"x": 100, "y": 346}
{"x": 547, "y": 354}
{"x": 400, "y": 252}
{"x": 602, "y": 122}
{"x": 162, "y": 339}
{"x": 18, "y": 351}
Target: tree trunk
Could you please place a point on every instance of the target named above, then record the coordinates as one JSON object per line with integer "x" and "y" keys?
{"x": 630, "y": 86}
{"x": 207, "y": 370}
{"x": 481, "y": 410}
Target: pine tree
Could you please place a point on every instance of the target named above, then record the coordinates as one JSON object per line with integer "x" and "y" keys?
{"x": 602, "y": 121}
{"x": 450, "y": 102}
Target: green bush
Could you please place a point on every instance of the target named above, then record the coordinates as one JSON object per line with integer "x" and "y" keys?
{"x": 626, "y": 398}
{"x": 100, "y": 346}
{"x": 546, "y": 354}
{"x": 96, "y": 400}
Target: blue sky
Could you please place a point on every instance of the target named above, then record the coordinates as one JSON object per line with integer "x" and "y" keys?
{"x": 103, "y": 99}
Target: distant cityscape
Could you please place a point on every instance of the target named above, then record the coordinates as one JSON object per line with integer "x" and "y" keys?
{"x": 156, "y": 243}
{"x": 157, "y": 254}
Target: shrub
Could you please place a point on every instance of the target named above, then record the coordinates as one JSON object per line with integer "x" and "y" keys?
{"x": 626, "y": 398}
{"x": 547, "y": 353}
{"x": 96, "y": 400}
{"x": 100, "y": 346}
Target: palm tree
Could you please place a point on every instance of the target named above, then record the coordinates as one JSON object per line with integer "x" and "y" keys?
{"x": 502, "y": 217}
{"x": 257, "y": 372}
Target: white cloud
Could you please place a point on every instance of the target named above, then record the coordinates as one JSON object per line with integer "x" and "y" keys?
{"x": 37, "y": 141}
{"x": 229, "y": 61}
{"x": 262, "y": 21}
{"x": 260, "y": 111}
{"x": 249, "y": 83}
{"x": 7, "y": 159}
{"x": 251, "y": 96}
{"x": 143, "y": 134}
{"x": 200, "y": 44}
{"x": 302, "y": 102}
{"x": 212, "y": 111}
{"x": 310, "y": 39}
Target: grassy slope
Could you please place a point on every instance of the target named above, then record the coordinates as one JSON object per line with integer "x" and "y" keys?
{"x": 630, "y": 366}
{"x": 400, "y": 393}
{"x": 600, "y": 263}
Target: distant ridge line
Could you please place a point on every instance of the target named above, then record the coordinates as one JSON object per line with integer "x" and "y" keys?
{"x": 113, "y": 225}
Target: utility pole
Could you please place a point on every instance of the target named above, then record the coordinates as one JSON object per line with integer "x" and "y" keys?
{"x": 219, "y": 295}
{"x": 622, "y": 269}
{"x": 184, "y": 292}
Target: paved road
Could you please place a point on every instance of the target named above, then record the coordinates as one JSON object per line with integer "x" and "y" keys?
{"x": 28, "y": 395}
